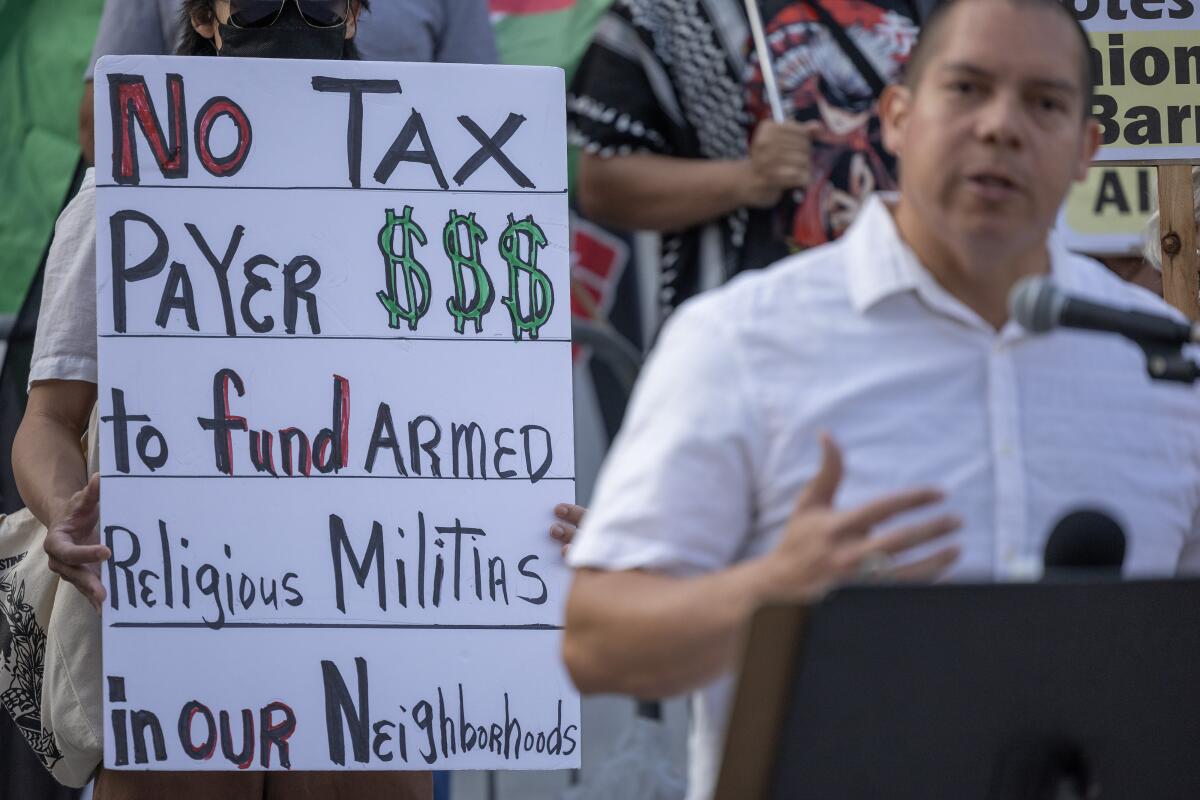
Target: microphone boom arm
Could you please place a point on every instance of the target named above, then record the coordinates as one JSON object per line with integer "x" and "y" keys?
{"x": 1039, "y": 306}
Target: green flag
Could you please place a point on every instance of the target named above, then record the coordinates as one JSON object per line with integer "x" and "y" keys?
{"x": 551, "y": 33}
{"x": 44, "y": 49}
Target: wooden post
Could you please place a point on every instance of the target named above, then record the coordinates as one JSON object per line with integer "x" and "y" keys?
{"x": 1177, "y": 232}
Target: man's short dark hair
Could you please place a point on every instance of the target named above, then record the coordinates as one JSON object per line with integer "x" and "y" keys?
{"x": 927, "y": 41}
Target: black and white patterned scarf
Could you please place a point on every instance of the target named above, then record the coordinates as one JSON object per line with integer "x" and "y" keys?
{"x": 665, "y": 77}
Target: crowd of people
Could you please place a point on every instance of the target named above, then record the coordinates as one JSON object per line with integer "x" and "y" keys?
{"x": 838, "y": 393}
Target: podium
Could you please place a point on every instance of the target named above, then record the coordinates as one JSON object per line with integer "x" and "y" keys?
{"x": 1076, "y": 689}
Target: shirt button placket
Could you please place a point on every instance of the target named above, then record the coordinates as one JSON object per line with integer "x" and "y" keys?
{"x": 1008, "y": 474}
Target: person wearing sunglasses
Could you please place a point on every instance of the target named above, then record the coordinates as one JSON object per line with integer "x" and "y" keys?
{"x": 50, "y": 470}
{"x": 320, "y": 29}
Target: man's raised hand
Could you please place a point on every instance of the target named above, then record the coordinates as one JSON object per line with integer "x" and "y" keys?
{"x": 822, "y": 546}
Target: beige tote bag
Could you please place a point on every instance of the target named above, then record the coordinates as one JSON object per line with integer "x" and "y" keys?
{"x": 49, "y": 650}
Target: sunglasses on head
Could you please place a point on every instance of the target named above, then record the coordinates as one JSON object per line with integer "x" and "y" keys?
{"x": 264, "y": 13}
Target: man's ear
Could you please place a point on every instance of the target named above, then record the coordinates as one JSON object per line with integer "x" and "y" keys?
{"x": 1091, "y": 143}
{"x": 894, "y": 106}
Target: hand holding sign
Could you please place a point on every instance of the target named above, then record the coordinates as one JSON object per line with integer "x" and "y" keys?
{"x": 570, "y": 516}
{"x": 73, "y": 543}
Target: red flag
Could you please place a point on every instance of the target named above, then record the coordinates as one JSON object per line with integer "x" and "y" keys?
{"x": 528, "y": 6}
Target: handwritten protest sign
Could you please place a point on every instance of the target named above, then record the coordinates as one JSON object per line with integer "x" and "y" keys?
{"x": 1146, "y": 59}
{"x": 335, "y": 393}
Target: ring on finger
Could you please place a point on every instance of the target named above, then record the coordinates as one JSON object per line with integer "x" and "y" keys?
{"x": 876, "y": 566}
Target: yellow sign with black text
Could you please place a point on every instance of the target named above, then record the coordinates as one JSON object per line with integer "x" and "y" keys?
{"x": 1146, "y": 58}
{"x": 1105, "y": 214}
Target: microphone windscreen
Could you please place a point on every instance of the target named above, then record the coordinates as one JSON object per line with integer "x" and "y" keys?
{"x": 1036, "y": 303}
{"x": 1086, "y": 540}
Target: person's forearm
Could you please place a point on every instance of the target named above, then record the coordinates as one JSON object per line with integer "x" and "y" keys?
{"x": 654, "y": 636}
{"x": 660, "y": 193}
{"x": 48, "y": 465}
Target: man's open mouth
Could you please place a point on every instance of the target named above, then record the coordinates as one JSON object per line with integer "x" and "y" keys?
{"x": 993, "y": 180}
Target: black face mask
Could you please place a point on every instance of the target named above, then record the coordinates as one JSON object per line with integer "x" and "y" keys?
{"x": 289, "y": 37}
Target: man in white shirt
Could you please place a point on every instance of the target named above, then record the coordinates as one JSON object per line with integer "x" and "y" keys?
{"x": 895, "y": 340}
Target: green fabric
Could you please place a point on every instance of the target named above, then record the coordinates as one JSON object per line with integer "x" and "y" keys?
{"x": 44, "y": 49}
{"x": 553, "y": 38}
{"x": 550, "y": 38}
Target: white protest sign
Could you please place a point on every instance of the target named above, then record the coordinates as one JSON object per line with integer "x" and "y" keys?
{"x": 335, "y": 389}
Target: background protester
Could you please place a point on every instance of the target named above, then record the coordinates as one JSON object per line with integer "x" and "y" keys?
{"x": 832, "y": 59}
{"x": 896, "y": 338}
{"x": 537, "y": 32}
{"x": 50, "y": 468}
{"x": 396, "y": 30}
{"x": 657, "y": 106}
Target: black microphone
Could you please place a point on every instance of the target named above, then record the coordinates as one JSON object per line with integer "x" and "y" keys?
{"x": 1085, "y": 542}
{"x": 1041, "y": 306}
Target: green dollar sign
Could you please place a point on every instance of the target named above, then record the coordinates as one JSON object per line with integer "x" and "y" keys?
{"x": 407, "y": 262}
{"x": 541, "y": 292}
{"x": 459, "y": 306}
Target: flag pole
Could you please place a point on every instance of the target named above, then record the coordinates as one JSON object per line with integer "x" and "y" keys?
{"x": 764, "y": 60}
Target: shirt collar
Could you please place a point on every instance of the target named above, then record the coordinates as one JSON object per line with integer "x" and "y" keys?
{"x": 880, "y": 264}
{"x": 1063, "y": 269}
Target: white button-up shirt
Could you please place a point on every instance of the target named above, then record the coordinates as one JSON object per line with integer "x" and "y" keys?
{"x": 858, "y": 339}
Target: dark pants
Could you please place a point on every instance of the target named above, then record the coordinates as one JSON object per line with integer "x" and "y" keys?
{"x": 22, "y": 776}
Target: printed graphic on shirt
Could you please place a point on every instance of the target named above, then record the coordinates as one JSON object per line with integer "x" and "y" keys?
{"x": 22, "y": 664}
{"x": 824, "y": 90}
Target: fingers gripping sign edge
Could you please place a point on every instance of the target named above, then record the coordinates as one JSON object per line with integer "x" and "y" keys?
{"x": 70, "y": 554}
